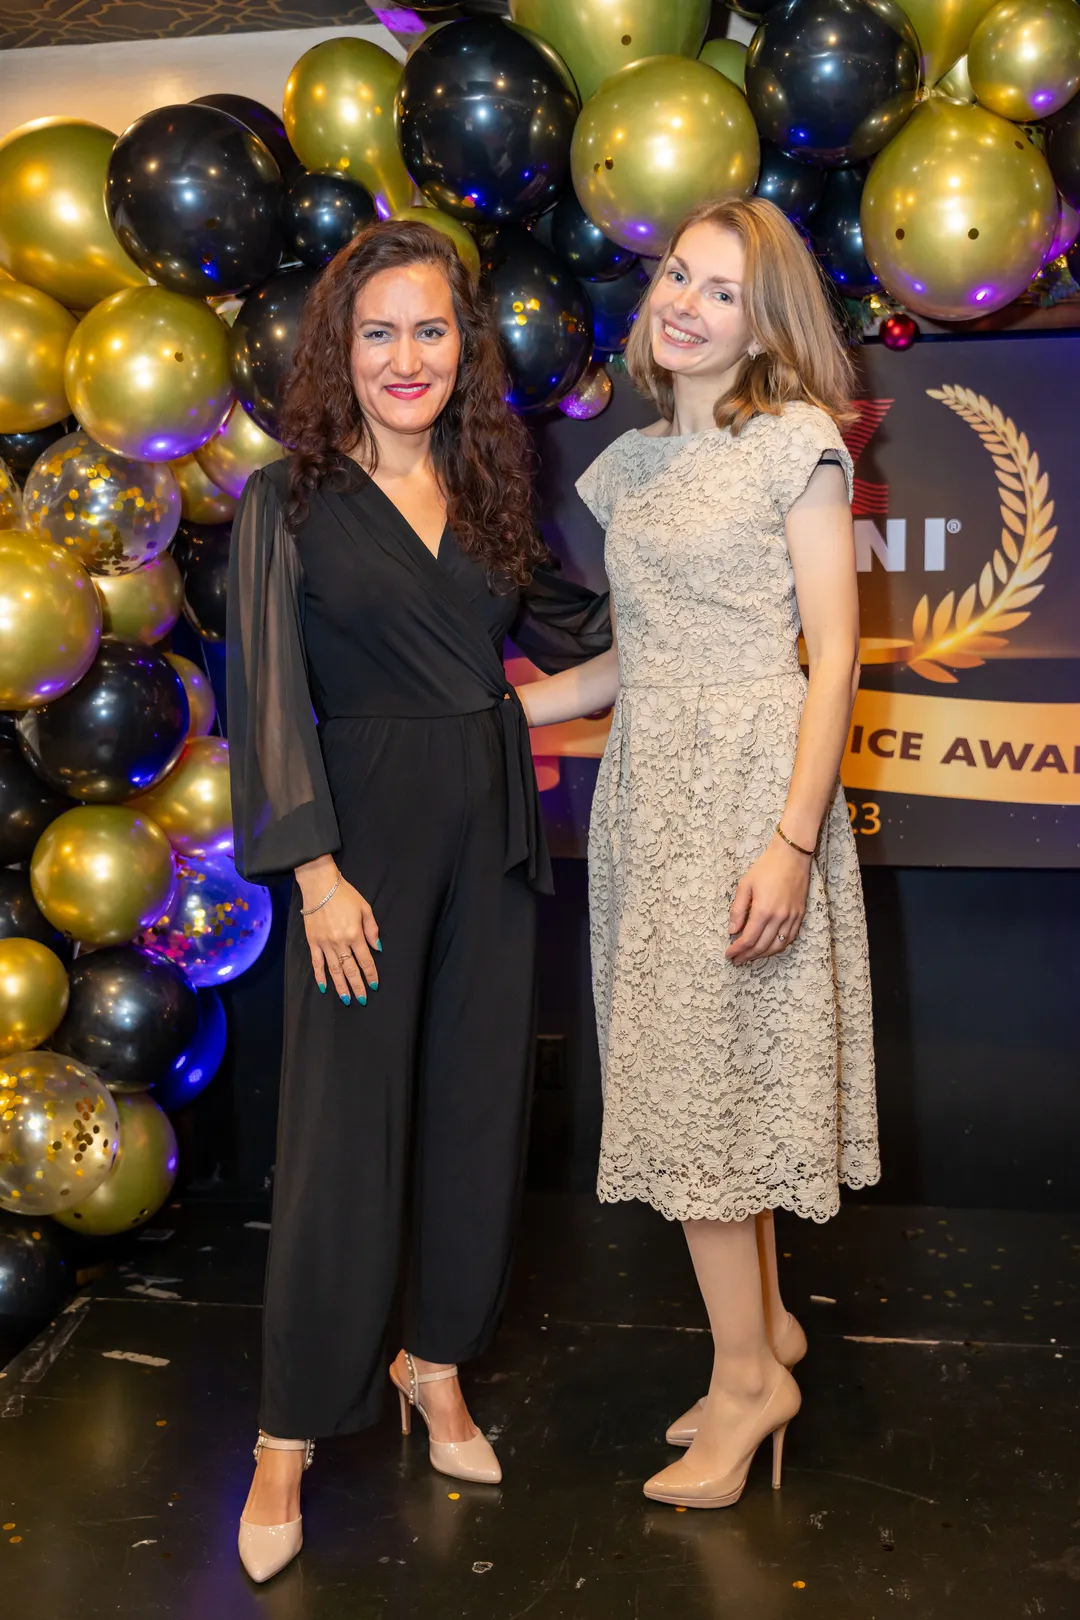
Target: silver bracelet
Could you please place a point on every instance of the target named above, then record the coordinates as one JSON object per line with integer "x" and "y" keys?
{"x": 311, "y": 909}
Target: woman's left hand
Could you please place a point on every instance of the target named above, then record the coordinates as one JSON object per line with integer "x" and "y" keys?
{"x": 769, "y": 904}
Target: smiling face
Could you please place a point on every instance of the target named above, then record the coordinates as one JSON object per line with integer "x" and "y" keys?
{"x": 406, "y": 348}
{"x": 698, "y": 321}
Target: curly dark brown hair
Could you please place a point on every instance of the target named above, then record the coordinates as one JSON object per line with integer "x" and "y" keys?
{"x": 482, "y": 452}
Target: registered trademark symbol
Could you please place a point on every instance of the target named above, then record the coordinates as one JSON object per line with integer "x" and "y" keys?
{"x": 954, "y": 525}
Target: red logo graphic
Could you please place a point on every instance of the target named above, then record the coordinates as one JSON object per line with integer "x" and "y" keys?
{"x": 870, "y": 499}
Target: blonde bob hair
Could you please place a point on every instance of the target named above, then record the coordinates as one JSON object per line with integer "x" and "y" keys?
{"x": 801, "y": 354}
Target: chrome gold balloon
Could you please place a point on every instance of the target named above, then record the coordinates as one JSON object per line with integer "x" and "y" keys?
{"x": 958, "y": 212}
{"x": 956, "y": 84}
{"x": 193, "y": 804}
{"x": 1024, "y": 57}
{"x": 459, "y": 234}
{"x": 34, "y": 334}
{"x": 339, "y": 114}
{"x": 51, "y": 620}
{"x": 58, "y": 1132}
{"x": 654, "y": 141}
{"x": 33, "y": 994}
{"x": 113, "y": 513}
{"x": 101, "y": 872}
{"x": 143, "y": 605}
{"x": 595, "y": 38}
{"x": 11, "y": 506}
{"x": 728, "y": 57}
{"x": 147, "y": 373}
{"x": 200, "y": 694}
{"x": 200, "y": 499}
{"x": 239, "y": 449}
{"x": 589, "y": 397}
{"x": 944, "y": 28}
{"x": 54, "y": 231}
{"x": 141, "y": 1177}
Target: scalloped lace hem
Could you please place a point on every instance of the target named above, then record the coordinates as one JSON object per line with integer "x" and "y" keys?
{"x": 737, "y": 1208}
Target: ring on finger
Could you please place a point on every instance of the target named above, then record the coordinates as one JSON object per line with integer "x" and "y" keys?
{"x": 781, "y": 938}
{"x": 345, "y": 958}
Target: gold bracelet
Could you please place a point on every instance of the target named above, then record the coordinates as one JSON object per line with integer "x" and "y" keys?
{"x": 791, "y": 841}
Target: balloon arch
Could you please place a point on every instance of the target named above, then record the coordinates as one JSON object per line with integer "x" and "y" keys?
{"x": 150, "y": 293}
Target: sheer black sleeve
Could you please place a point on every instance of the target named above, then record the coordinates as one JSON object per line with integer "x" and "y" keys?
{"x": 282, "y": 811}
{"x": 560, "y": 623}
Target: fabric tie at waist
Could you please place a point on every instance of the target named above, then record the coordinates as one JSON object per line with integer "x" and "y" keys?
{"x": 526, "y": 841}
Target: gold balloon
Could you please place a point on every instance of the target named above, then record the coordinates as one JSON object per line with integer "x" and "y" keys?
{"x": 34, "y": 334}
{"x": 54, "y": 231}
{"x": 657, "y": 139}
{"x": 193, "y": 804}
{"x": 33, "y": 994}
{"x": 200, "y": 694}
{"x": 339, "y": 114}
{"x": 11, "y": 505}
{"x": 200, "y": 499}
{"x": 956, "y": 84}
{"x": 142, "y": 1173}
{"x": 101, "y": 872}
{"x": 147, "y": 373}
{"x": 728, "y": 57}
{"x": 58, "y": 1132}
{"x": 589, "y": 397}
{"x": 114, "y": 514}
{"x": 1024, "y": 57}
{"x": 238, "y": 450}
{"x": 595, "y": 38}
{"x": 143, "y": 605}
{"x": 958, "y": 212}
{"x": 459, "y": 233}
{"x": 51, "y": 620}
{"x": 944, "y": 28}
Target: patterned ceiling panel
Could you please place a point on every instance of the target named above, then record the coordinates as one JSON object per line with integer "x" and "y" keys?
{"x": 92, "y": 22}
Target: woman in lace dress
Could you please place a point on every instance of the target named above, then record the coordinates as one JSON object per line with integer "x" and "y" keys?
{"x": 729, "y": 944}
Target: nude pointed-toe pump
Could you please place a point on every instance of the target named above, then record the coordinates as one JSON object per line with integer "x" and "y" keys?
{"x": 677, "y": 1485}
{"x": 789, "y": 1350}
{"x": 267, "y": 1548}
{"x": 462, "y": 1459}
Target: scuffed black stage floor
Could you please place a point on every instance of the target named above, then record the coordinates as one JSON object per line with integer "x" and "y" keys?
{"x": 938, "y": 1480}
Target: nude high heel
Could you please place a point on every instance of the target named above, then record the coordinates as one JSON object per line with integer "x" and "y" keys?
{"x": 462, "y": 1459}
{"x": 789, "y": 1350}
{"x": 267, "y": 1548}
{"x": 775, "y": 1415}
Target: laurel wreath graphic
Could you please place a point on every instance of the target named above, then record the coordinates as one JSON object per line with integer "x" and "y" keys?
{"x": 961, "y": 634}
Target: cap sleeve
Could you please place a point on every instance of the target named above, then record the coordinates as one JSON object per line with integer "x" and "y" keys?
{"x": 282, "y": 811}
{"x": 597, "y": 486}
{"x": 807, "y": 436}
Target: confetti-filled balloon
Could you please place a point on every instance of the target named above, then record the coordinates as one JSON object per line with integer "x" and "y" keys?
{"x": 34, "y": 334}
{"x": 100, "y": 873}
{"x": 33, "y": 994}
{"x": 588, "y": 397}
{"x": 58, "y": 1132}
{"x": 141, "y": 1177}
{"x": 111, "y": 512}
{"x": 199, "y": 1062}
{"x": 143, "y": 605}
{"x": 202, "y": 705}
{"x": 51, "y": 617}
{"x": 217, "y": 923}
{"x": 11, "y": 504}
{"x": 193, "y": 805}
{"x": 130, "y": 1015}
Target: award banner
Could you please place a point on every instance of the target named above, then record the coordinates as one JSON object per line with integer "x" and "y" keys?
{"x": 964, "y": 747}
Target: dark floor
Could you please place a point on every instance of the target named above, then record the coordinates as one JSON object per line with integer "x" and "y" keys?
{"x": 934, "y": 1471}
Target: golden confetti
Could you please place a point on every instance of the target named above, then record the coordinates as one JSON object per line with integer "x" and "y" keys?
{"x": 453, "y": 1496}
{"x": 799, "y": 1585}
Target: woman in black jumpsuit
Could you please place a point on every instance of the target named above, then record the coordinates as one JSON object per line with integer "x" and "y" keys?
{"x": 370, "y": 719}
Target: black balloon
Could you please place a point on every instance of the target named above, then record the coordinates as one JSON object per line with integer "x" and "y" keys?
{"x": 543, "y": 316}
{"x": 21, "y": 450}
{"x": 261, "y": 343}
{"x": 591, "y": 255}
{"x": 194, "y": 198}
{"x": 1063, "y": 150}
{"x": 129, "y": 1016}
{"x": 794, "y": 187}
{"x": 36, "y": 1278}
{"x": 202, "y": 553}
{"x": 485, "y": 121}
{"x": 21, "y": 919}
{"x": 265, "y": 125}
{"x": 115, "y": 733}
{"x": 836, "y": 233}
{"x": 27, "y": 805}
{"x": 614, "y": 304}
{"x": 830, "y": 81}
{"x": 322, "y": 212}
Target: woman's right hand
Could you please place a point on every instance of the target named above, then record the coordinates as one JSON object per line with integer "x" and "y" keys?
{"x": 341, "y": 935}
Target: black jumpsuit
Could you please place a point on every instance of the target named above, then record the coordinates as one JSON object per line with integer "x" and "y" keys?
{"x": 405, "y": 1118}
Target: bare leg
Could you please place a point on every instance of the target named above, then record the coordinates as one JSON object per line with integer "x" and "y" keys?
{"x": 443, "y": 1402}
{"x": 776, "y": 1313}
{"x": 274, "y": 1497}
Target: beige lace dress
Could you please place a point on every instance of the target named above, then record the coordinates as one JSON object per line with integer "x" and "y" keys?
{"x": 727, "y": 1090}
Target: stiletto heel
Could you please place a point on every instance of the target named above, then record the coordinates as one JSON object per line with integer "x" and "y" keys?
{"x": 462, "y": 1459}
{"x": 672, "y": 1484}
{"x": 789, "y": 1349}
{"x": 778, "y": 1455}
{"x": 266, "y": 1548}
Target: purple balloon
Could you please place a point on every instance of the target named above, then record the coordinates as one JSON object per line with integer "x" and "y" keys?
{"x": 216, "y": 925}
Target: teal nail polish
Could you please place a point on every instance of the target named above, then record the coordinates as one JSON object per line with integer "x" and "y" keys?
{"x": 363, "y": 1001}
{"x": 374, "y": 985}
{"x": 322, "y": 988}
{"x": 346, "y": 999}
{"x": 378, "y": 944}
